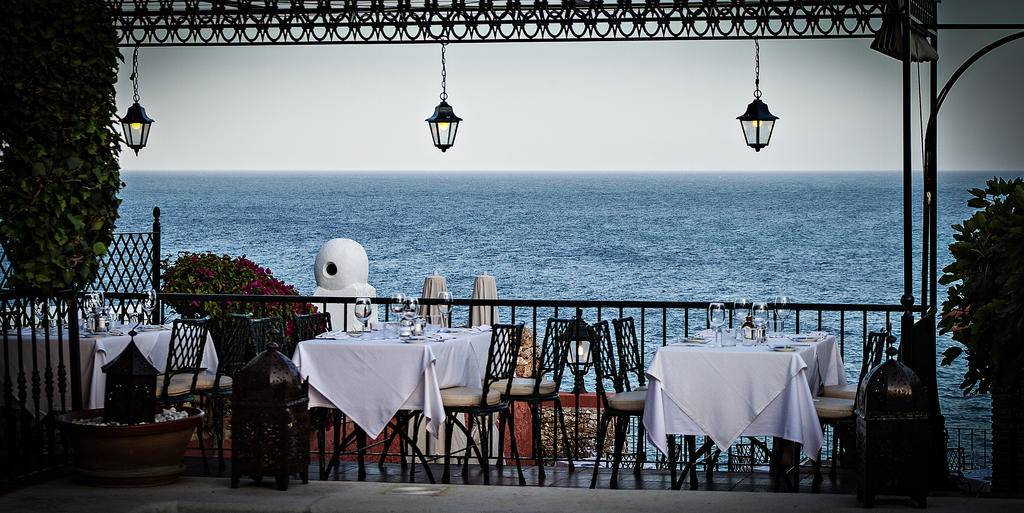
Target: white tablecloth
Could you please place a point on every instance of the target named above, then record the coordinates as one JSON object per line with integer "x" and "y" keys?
{"x": 94, "y": 353}
{"x": 153, "y": 344}
{"x": 737, "y": 391}
{"x": 371, "y": 378}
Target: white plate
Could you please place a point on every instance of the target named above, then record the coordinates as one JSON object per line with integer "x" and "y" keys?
{"x": 783, "y": 349}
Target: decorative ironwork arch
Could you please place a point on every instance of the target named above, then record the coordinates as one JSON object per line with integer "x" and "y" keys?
{"x": 282, "y": 22}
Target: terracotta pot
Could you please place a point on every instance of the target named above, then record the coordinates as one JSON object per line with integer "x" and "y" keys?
{"x": 139, "y": 455}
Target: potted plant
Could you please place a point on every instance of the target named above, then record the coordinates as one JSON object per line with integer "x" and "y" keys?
{"x": 984, "y": 312}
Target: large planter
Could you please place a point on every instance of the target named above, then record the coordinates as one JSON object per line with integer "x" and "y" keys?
{"x": 1007, "y": 441}
{"x": 139, "y": 455}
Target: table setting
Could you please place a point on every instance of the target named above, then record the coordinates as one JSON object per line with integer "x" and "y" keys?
{"x": 749, "y": 381}
{"x": 373, "y": 372}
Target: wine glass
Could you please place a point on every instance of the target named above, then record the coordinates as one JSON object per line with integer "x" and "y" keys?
{"x": 740, "y": 312}
{"x": 148, "y": 304}
{"x": 782, "y": 311}
{"x": 363, "y": 309}
{"x": 716, "y": 318}
{"x": 397, "y": 304}
{"x": 410, "y": 308}
{"x": 444, "y": 306}
{"x": 761, "y": 314}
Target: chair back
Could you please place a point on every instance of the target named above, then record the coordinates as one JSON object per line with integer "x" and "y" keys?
{"x": 631, "y": 356}
{"x": 874, "y": 352}
{"x": 551, "y": 360}
{"x": 501, "y": 358}
{"x": 602, "y": 351}
{"x": 308, "y": 326}
{"x": 267, "y": 330}
{"x": 234, "y": 347}
{"x": 185, "y": 351}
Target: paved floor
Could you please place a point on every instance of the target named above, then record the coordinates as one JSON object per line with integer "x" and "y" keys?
{"x": 212, "y": 494}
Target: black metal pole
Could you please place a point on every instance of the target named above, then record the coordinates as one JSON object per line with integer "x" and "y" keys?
{"x": 74, "y": 355}
{"x": 157, "y": 308}
{"x": 907, "y": 321}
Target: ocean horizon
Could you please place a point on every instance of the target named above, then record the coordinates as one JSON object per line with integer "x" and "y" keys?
{"x": 828, "y": 237}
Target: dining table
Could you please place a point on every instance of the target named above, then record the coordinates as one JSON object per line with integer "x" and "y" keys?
{"x": 371, "y": 376}
{"x": 31, "y": 353}
{"x": 700, "y": 388}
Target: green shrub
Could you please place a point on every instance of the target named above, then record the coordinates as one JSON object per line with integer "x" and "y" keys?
{"x": 58, "y": 142}
{"x": 984, "y": 309}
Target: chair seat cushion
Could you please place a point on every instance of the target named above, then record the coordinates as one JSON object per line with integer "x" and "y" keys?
{"x": 841, "y": 391}
{"x": 833, "y": 407}
{"x": 628, "y": 401}
{"x": 467, "y": 396}
{"x": 524, "y": 386}
{"x": 205, "y": 383}
{"x": 181, "y": 384}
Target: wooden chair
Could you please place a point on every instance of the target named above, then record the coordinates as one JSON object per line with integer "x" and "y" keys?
{"x": 180, "y": 379}
{"x": 479, "y": 404}
{"x": 542, "y": 386}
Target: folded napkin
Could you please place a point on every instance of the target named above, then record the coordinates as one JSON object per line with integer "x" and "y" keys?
{"x": 336, "y": 334}
{"x": 481, "y": 328}
{"x": 116, "y": 333}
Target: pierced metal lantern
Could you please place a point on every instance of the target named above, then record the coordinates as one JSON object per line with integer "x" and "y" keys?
{"x": 270, "y": 420}
{"x": 130, "y": 396}
{"x": 444, "y": 124}
{"x": 892, "y": 434}
{"x": 135, "y": 125}
{"x": 757, "y": 124}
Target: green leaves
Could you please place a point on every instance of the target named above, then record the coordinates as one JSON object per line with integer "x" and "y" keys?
{"x": 58, "y": 183}
{"x": 984, "y": 308}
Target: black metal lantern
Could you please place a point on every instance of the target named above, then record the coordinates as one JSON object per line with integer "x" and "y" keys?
{"x": 130, "y": 396}
{"x": 270, "y": 420}
{"x": 444, "y": 124}
{"x": 579, "y": 357}
{"x": 757, "y": 122}
{"x": 135, "y": 122}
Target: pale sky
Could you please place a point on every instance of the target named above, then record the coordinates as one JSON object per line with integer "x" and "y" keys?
{"x": 595, "y": 106}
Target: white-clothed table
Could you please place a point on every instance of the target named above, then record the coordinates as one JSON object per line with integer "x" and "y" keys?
{"x": 728, "y": 392}
{"x": 97, "y": 352}
{"x": 94, "y": 353}
{"x": 370, "y": 378}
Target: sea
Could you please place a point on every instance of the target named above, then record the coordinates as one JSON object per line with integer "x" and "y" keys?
{"x": 821, "y": 237}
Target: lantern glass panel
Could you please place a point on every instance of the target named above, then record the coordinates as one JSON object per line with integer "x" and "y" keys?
{"x": 757, "y": 132}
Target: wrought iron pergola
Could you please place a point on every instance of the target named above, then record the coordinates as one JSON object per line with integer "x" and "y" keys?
{"x": 277, "y": 22}
{"x": 902, "y": 24}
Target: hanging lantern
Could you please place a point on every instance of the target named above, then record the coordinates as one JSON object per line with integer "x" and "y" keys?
{"x": 578, "y": 356}
{"x": 757, "y": 122}
{"x": 444, "y": 124}
{"x": 135, "y": 122}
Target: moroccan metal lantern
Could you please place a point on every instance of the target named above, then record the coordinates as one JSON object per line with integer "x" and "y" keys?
{"x": 136, "y": 123}
{"x": 892, "y": 434}
{"x": 757, "y": 122}
{"x": 444, "y": 124}
{"x": 270, "y": 420}
{"x": 130, "y": 396}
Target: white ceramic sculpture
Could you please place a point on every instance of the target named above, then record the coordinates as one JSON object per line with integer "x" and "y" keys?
{"x": 342, "y": 269}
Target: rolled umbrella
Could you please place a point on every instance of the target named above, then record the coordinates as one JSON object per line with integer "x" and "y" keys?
{"x": 484, "y": 288}
{"x": 433, "y": 285}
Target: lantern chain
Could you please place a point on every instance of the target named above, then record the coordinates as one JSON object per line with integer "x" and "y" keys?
{"x": 135, "y": 74}
{"x": 757, "y": 69}
{"x": 444, "y": 75}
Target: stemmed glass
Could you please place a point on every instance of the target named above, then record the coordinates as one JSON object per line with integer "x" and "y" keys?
{"x": 782, "y": 311}
{"x": 760, "y": 314}
{"x": 716, "y": 318}
{"x": 148, "y": 304}
{"x": 740, "y": 312}
{"x": 444, "y": 306}
{"x": 397, "y": 304}
{"x": 362, "y": 310}
{"x": 410, "y": 308}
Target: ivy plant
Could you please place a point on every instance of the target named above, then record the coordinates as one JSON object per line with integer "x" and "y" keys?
{"x": 984, "y": 309}
{"x": 59, "y": 175}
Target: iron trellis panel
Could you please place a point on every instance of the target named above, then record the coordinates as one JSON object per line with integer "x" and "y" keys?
{"x": 276, "y": 22}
